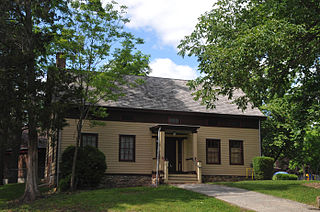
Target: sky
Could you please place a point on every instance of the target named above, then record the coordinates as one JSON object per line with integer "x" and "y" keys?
{"x": 162, "y": 24}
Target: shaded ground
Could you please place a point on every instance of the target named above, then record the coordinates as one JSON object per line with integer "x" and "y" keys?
{"x": 313, "y": 185}
{"x": 164, "y": 198}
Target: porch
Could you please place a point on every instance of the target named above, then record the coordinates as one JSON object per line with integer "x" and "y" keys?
{"x": 176, "y": 154}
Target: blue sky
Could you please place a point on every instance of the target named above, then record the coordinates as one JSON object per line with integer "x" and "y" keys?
{"x": 162, "y": 24}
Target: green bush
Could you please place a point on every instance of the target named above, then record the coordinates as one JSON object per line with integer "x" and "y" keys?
{"x": 263, "y": 168}
{"x": 64, "y": 183}
{"x": 90, "y": 168}
{"x": 285, "y": 177}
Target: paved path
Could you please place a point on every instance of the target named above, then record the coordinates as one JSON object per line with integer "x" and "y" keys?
{"x": 249, "y": 199}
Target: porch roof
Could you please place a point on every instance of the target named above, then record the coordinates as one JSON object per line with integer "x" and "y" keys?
{"x": 170, "y": 127}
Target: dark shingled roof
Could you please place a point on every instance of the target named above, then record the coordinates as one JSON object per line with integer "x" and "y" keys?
{"x": 172, "y": 95}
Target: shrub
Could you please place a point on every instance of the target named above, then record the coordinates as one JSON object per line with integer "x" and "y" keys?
{"x": 263, "y": 168}
{"x": 285, "y": 177}
{"x": 90, "y": 168}
{"x": 64, "y": 183}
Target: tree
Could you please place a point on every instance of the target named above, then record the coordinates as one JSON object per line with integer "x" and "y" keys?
{"x": 270, "y": 50}
{"x": 99, "y": 54}
{"x": 265, "y": 48}
{"x": 27, "y": 29}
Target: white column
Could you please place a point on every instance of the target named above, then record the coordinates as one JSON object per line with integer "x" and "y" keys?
{"x": 195, "y": 149}
{"x": 195, "y": 145}
{"x": 162, "y": 149}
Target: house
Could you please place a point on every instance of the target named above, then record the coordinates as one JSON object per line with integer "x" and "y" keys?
{"x": 14, "y": 173}
{"x": 196, "y": 144}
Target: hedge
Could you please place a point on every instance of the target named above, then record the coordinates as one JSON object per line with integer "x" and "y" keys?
{"x": 285, "y": 177}
{"x": 263, "y": 168}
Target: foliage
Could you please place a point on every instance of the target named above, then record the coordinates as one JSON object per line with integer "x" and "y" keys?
{"x": 265, "y": 48}
{"x": 27, "y": 31}
{"x": 285, "y": 177}
{"x": 64, "y": 184}
{"x": 309, "y": 151}
{"x": 288, "y": 189}
{"x": 270, "y": 50}
{"x": 263, "y": 168}
{"x": 288, "y": 135}
{"x": 91, "y": 166}
{"x": 99, "y": 52}
{"x": 163, "y": 198}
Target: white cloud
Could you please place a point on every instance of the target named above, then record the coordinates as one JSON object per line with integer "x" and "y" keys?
{"x": 165, "y": 67}
{"x": 170, "y": 19}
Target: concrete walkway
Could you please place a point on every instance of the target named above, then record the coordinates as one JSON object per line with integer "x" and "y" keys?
{"x": 248, "y": 199}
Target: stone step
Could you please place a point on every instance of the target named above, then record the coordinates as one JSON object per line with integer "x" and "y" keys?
{"x": 181, "y": 181}
{"x": 183, "y": 178}
{"x": 182, "y": 175}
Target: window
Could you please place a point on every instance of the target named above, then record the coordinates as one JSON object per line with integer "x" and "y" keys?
{"x": 127, "y": 118}
{"x": 236, "y": 152}
{"x": 213, "y": 151}
{"x": 127, "y": 148}
{"x": 89, "y": 139}
{"x": 173, "y": 120}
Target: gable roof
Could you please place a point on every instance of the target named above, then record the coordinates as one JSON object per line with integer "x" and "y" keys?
{"x": 172, "y": 95}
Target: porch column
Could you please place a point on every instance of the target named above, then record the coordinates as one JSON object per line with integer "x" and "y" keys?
{"x": 195, "y": 145}
{"x": 162, "y": 149}
{"x": 195, "y": 148}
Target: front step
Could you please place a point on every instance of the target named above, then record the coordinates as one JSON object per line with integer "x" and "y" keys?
{"x": 182, "y": 178}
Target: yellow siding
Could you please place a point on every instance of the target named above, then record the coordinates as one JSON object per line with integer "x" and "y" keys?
{"x": 108, "y": 143}
{"x": 251, "y": 149}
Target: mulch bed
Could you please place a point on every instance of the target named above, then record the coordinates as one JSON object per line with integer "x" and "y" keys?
{"x": 313, "y": 185}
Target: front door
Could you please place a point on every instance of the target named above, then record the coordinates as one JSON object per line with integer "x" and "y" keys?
{"x": 171, "y": 154}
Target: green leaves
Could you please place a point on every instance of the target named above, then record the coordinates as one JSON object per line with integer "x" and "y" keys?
{"x": 270, "y": 50}
{"x": 256, "y": 46}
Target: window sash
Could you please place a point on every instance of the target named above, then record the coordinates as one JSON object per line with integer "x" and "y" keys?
{"x": 127, "y": 148}
{"x": 89, "y": 139}
{"x": 236, "y": 152}
{"x": 213, "y": 151}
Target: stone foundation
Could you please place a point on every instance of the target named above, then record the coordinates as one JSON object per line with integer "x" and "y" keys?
{"x": 122, "y": 180}
{"x": 223, "y": 178}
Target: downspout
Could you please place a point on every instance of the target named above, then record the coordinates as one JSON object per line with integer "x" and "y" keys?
{"x": 57, "y": 157}
{"x": 158, "y": 158}
{"x": 260, "y": 142}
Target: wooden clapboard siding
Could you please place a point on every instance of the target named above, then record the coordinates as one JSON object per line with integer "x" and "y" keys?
{"x": 250, "y": 138}
{"x": 108, "y": 143}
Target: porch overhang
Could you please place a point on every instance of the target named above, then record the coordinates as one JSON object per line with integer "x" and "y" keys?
{"x": 175, "y": 128}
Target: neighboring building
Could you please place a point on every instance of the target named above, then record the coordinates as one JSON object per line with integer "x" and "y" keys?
{"x": 9, "y": 168}
{"x": 222, "y": 141}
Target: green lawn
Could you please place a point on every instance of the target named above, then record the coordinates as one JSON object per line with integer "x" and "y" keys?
{"x": 288, "y": 189}
{"x": 164, "y": 198}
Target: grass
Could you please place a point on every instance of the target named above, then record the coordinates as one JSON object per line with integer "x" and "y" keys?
{"x": 288, "y": 189}
{"x": 163, "y": 198}
{"x": 10, "y": 192}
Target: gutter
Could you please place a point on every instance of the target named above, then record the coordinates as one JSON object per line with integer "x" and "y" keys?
{"x": 158, "y": 158}
{"x": 260, "y": 141}
{"x": 57, "y": 157}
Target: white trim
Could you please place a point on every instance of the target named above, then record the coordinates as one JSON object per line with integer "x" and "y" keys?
{"x": 58, "y": 157}
{"x": 260, "y": 144}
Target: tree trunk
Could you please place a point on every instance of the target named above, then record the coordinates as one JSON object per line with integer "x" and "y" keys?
{"x": 31, "y": 191}
{"x": 74, "y": 162}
